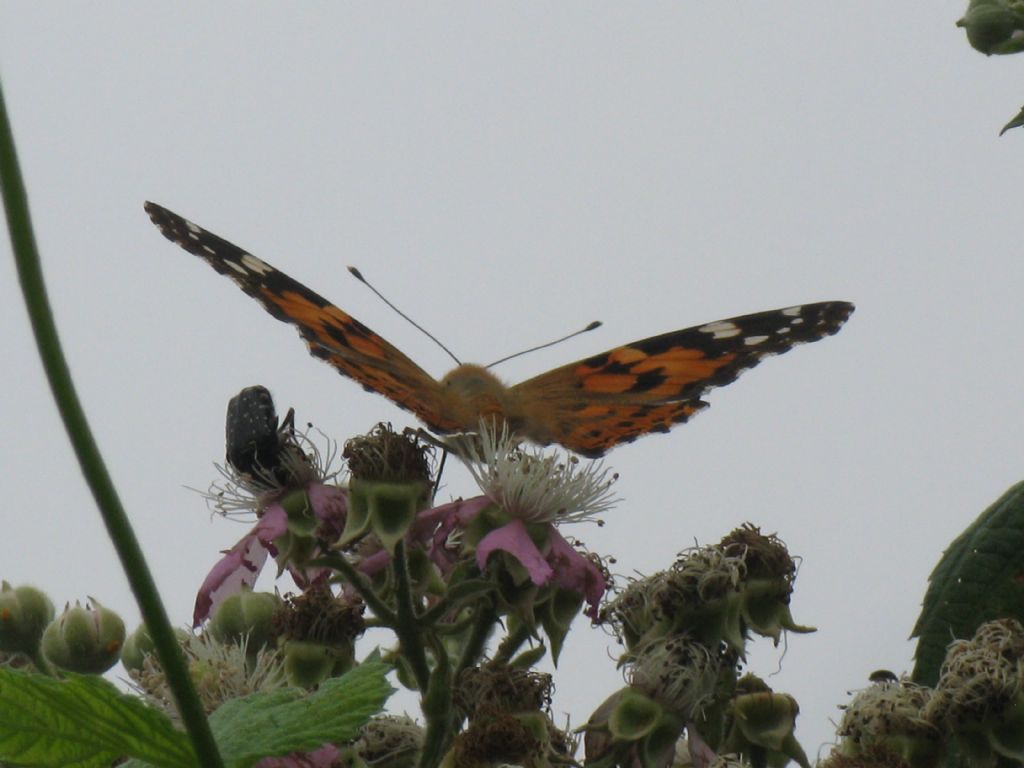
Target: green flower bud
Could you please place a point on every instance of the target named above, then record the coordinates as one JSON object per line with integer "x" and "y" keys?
{"x": 137, "y": 647}
{"x": 24, "y": 614}
{"x": 85, "y": 640}
{"x": 246, "y": 617}
{"x": 308, "y": 663}
{"x": 994, "y": 26}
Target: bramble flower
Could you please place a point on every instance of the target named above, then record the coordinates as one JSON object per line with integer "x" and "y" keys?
{"x": 278, "y": 474}
{"x": 299, "y": 462}
{"x": 534, "y": 487}
{"x": 537, "y": 492}
{"x": 281, "y": 529}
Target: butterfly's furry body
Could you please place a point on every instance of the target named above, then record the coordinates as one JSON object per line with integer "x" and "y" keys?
{"x": 588, "y": 406}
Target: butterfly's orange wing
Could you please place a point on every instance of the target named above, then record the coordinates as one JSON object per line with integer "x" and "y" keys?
{"x": 331, "y": 334}
{"x": 650, "y": 385}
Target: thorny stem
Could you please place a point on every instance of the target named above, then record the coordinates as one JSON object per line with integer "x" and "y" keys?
{"x": 407, "y": 626}
{"x": 477, "y": 640}
{"x": 510, "y": 644}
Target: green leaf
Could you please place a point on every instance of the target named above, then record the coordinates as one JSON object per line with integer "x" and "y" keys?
{"x": 1017, "y": 122}
{"x": 979, "y": 578}
{"x": 284, "y": 721}
{"x": 82, "y": 721}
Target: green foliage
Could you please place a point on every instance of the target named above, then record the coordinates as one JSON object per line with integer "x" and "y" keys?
{"x": 978, "y": 578}
{"x": 80, "y": 722}
{"x": 84, "y": 721}
{"x": 284, "y": 721}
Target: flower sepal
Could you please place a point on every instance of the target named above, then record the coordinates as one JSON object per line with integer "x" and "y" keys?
{"x": 766, "y": 608}
{"x": 388, "y": 509}
{"x": 630, "y": 728}
{"x": 763, "y": 722}
{"x": 556, "y": 612}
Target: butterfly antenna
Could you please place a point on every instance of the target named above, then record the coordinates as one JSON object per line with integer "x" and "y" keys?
{"x": 359, "y": 276}
{"x": 592, "y": 326}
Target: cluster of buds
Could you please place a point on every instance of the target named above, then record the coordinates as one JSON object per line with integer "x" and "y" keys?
{"x": 976, "y": 707}
{"x": 84, "y": 639}
{"x": 684, "y": 632}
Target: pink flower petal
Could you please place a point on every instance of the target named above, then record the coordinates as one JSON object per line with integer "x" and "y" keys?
{"x": 576, "y": 572}
{"x": 514, "y": 539}
{"x": 324, "y": 757}
{"x": 330, "y": 505}
{"x": 241, "y": 564}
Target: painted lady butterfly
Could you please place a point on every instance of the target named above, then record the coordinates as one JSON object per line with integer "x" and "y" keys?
{"x": 588, "y": 406}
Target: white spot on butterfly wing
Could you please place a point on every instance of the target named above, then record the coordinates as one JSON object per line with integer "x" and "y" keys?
{"x": 253, "y": 264}
{"x": 723, "y": 329}
{"x": 752, "y": 341}
{"x": 792, "y": 311}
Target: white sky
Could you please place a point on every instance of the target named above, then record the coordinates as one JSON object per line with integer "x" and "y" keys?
{"x": 507, "y": 173}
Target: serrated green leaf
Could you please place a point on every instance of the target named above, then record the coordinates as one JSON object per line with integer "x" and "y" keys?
{"x": 284, "y": 721}
{"x": 82, "y": 721}
{"x": 980, "y": 577}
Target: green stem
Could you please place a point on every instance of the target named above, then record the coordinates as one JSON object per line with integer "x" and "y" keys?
{"x": 361, "y": 585}
{"x": 26, "y": 257}
{"x": 437, "y": 709}
{"x": 512, "y": 642}
{"x": 455, "y": 628}
{"x": 408, "y": 627}
{"x": 40, "y": 663}
{"x": 476, "y": 643}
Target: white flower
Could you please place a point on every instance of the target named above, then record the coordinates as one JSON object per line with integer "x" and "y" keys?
{"x": 533, "y": 486}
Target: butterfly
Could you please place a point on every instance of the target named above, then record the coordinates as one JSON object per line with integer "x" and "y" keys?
{"x": 588, "y": 406}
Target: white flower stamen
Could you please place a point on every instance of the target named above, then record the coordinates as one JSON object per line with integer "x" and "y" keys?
{"x": 535, "y": 487}
{"x": 241, "y": 494}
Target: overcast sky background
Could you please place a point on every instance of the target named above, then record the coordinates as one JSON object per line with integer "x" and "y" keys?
{"x": 507, "y": 173}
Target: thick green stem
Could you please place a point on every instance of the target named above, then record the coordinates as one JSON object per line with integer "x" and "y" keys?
{"x": 408, "y": 626}
{"x": 437, "y": 709}
{"x": 30, "y": 275}
{"x": 476, "y": 643}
